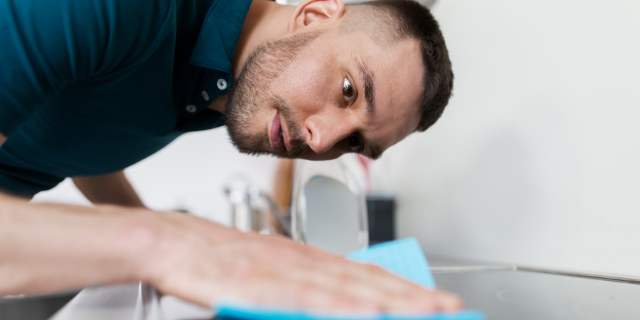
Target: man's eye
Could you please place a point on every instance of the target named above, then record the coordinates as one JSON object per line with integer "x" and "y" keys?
{"x": 354, "y": 143}
{"x": 347, "y": 90}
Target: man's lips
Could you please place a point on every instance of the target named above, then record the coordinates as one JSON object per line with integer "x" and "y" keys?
{"x": 278, "y": 139}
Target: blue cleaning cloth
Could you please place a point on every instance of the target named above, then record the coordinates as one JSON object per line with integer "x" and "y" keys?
{"x": 244, "y": 312}
{"x": 402, "y": 257}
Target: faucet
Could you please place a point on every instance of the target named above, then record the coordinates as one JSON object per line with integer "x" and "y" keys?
{"x": 251, "y": 209}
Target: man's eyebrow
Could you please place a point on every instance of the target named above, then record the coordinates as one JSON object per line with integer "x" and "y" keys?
{"x": 366, "y": 76}
{"x": 367, "y": 79}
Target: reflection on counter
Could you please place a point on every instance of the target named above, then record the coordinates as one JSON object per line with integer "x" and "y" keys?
{"x": 34, "y": 308}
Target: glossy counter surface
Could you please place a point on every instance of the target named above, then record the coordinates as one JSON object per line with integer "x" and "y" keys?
{"x": 522, "y": 295}
{"x": 33, "y": 308}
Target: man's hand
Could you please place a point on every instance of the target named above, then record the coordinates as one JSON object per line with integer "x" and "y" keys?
{"x": 203, "y": 262}
{"x": 2, "y": 139}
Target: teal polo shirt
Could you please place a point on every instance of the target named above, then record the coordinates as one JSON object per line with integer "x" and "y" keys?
{"x": 90, "y": 87}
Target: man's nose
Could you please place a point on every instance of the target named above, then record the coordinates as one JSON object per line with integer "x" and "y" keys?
{"x": 324, "y": 132}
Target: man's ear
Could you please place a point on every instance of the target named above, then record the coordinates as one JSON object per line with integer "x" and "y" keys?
{"x": 310, "y": 12}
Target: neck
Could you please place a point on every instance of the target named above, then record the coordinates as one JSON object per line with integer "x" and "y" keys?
{"x": 266, "y": 21}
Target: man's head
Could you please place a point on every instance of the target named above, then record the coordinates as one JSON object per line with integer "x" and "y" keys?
{"x": 358, "y": 78}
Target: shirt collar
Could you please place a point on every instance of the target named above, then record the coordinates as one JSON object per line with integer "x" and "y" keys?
{"x": 219, "y": 34}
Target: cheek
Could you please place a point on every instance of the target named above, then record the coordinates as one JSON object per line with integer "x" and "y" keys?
{"x": 306, "y": 85}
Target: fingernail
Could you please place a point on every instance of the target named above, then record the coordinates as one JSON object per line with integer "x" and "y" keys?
{"x": 451, "y": 302}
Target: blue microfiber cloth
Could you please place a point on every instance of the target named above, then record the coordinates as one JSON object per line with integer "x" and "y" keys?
{"x": 401, "y": 257}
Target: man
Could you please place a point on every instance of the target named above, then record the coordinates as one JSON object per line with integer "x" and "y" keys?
{"x": 89, "y": 87}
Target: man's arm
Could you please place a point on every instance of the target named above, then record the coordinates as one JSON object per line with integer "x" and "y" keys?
{"x": 46, "y": 248}
{"x": 111, "y": 188}
{"x": 2, "y": 139}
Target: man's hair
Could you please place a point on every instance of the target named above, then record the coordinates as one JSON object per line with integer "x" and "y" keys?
{"x": 409, "y": 19}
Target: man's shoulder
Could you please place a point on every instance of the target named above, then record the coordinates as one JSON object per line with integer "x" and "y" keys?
{"x": 100, "y": 20}
{"x": 130, "y": 29}
{"x": 139, "y": 12}
{"x": 138, "y": 22}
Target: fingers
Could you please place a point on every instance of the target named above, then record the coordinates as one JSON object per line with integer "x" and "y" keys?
{"x": 311, "y": 296}
{"x": 369, "y": 288}
{"x": 449, "y": 302}
{"x": 278, "y": 272}
{"x": 395, "y": 293}
{"x": 401, "y": 294}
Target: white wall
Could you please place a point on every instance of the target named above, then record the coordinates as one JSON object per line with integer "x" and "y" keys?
{"x": 190, "y": 174}
{"x": 536, "y": 161}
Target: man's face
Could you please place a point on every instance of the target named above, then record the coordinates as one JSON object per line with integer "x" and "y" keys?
{"x": 320, "y": 94}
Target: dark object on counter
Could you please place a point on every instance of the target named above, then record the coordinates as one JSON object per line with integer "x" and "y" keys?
{"x": 34, "y": 308}
{"x": 382, "y": 218}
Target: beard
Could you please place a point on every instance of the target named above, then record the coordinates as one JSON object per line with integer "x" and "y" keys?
{"x": 250, "y": 93}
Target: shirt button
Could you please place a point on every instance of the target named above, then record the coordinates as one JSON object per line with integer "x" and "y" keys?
{"x": 191, "y": 108}
{"x": 205, "y": 95}
{"x": 222, "y": 84}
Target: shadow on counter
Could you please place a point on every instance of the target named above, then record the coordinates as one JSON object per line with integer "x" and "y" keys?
{"x": 34, "y": 308}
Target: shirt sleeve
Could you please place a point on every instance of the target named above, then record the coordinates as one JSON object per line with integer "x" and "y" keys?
{"x": 46, "y": 45}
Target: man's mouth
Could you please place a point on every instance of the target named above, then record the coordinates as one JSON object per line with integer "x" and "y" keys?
{"x": 277, "y": 135}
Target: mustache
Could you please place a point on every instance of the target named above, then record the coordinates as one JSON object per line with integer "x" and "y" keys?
{"x": 296, "y": 138}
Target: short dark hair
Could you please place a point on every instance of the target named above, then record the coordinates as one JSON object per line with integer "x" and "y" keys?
{"x": 409, "y": 19}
